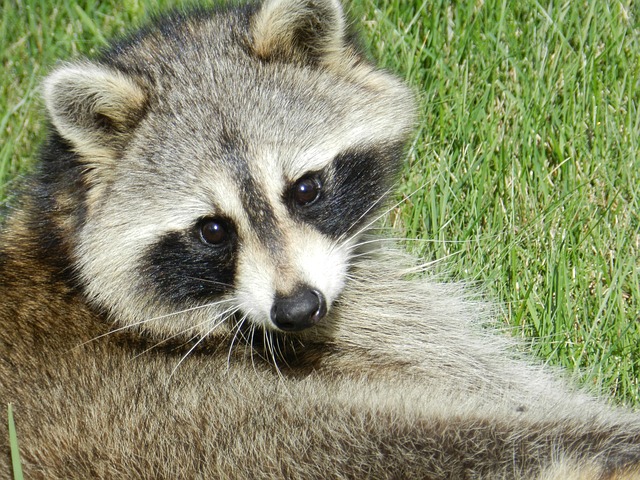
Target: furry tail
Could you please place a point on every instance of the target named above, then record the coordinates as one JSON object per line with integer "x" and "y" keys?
{"x": 568, "y": 470}
{"x": 495, "y": 401}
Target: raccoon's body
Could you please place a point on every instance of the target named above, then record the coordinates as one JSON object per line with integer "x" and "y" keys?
{"x": 187, "y": 291}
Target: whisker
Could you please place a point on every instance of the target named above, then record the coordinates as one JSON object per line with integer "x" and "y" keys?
{"x": 218, "y": 316}
{"x": 353, "y": 275}
{"x": 266, "y": 335}
{"x": 272, "y": 353}
{"x": 214, "y": 282}
{"x": 384, "y": 213}
{"x": 281, "y": 354}
{"x": 236, "y": 331}
{"x": 202, "y": 338}
{"x": 165, "y": 340}
{"x": 148, "y": 320}
{"x": 341, "y": 238}
{"x": 405, "y": 239}
{"x": 251, "y": 349}
{"x": 182, "y": 359}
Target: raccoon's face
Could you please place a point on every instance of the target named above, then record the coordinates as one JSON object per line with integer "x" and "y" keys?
{"x": 231, "y": 161}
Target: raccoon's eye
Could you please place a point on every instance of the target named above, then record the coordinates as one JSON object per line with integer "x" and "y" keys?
{"x": 213, "y": 231}
{"x": 306, "y": 190}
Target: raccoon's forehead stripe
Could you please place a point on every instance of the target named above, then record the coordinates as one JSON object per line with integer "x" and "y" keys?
{"x": 259, "y": 212}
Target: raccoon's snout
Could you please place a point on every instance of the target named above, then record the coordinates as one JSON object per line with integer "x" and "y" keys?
{"x": 302, "y": 309}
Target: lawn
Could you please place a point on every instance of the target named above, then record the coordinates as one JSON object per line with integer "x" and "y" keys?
{"x": 523, "y": 173}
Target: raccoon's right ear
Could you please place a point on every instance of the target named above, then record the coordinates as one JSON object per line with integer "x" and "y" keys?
{"x": 310, "y": 30}
{"x": 93, "y": 107}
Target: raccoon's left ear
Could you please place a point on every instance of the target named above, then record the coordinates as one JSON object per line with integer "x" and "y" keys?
{"x": 310, "y": 30}
{"x": 93, "y": 107}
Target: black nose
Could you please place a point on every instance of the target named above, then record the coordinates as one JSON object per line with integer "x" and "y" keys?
{"x": 302, "y": 309}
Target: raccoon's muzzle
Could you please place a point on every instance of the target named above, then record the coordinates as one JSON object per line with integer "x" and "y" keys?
{"x": 302, "y": 309}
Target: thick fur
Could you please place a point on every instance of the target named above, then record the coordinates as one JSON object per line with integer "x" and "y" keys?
{"x": 130, "y": 348}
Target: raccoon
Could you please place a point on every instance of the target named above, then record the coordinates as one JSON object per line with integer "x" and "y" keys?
{"x": 190, "y": 290}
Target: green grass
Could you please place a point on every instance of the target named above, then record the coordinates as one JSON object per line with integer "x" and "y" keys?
{"x": 527, "y": 148}
{"x": 13, "y": 446}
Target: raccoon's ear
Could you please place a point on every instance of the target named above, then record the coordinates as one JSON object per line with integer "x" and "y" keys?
{"x": 311, "y": 30}
{"x": 93, "y": 107}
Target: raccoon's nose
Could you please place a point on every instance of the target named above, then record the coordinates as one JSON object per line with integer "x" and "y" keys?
{"x": 302, "y": 309}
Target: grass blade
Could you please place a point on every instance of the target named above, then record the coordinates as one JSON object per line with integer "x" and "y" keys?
{"x": 13, "y": 445}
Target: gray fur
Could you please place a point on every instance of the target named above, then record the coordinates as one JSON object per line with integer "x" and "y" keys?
{"x": 131, "y": 348}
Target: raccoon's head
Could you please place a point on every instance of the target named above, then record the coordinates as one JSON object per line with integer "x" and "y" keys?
{"x": 223, "y": 165}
